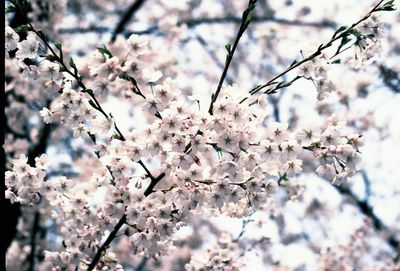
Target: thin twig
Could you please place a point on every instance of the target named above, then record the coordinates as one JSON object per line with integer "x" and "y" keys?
{"x": 212, "y": 55}
{"x": 321, "y": 48}
{"x": 243, "y": 25}
{"x": 106, "y": 243}
{"x": 245, "y": 222}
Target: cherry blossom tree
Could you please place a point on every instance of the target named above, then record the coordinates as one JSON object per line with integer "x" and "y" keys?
{"x": 199, "y": 135}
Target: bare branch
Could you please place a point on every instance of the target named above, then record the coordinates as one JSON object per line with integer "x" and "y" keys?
{"x": 212, "y": 55}
{"x": 366, "y": 209}
{"x": 126, "y": 18}
{"x": 245, "y": 21}
{"x": 192, "y": 23}
{"x": 390, "y": 78}
{"x": 106, "y": 243}
{"x": 142, "y": 264}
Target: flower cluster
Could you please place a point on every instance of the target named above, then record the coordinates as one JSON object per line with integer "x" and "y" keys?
{"x": 317, "y": 71}
{"x": 72, "y": 109}
{"x": 337, "y": 153}
{"x": 221, "y": 256}
{"x": 24, "y": 182}
{"x": 183, "y": 161}
{"x": 355, "y": 252}
{"x": 11, "y": 39}
{"x": 152, "y": 221}
{"x": 214, "y": 163}
{"x": 368, "y": 39}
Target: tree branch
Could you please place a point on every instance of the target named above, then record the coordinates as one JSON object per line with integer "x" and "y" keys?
{"x": 96, "y": 105}
{"x": 120, "y": 223}
{"x": 106, "y": 243}
{"x": 35, "y": 229}
{"x": 142, "y": 264}
{"x": 321, "y": 48}
{"x": 390, "y": 78}
{"x": 262, "y": 19}
{"x": 212, "y": 55}
{"x": 192, "y": 23}
{"x": 153, "y": 183}
{"x": 245, "y": 21}
{"x": 368, "y": 211}
{"x": 125, "y": 19}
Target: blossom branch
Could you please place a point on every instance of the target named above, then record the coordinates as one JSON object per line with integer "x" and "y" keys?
{"x": 120, "y": 223}
{"x": 78, "y": 78}
{"x": 98, "y": 107}
{"x": 106, "y": 243}
{"x": 14, "y": 210}
{"x": 321, "y": 48}
{"x": 60, "y": 60}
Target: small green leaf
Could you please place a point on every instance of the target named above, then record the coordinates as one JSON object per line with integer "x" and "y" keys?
{"x": 344, "y": 41}
{"x": 280, "y": 84}
{"x": 250, "y": 7}
{"x": 92, "y": 104}
{"x": 10, "y": 9}
{"x": 340, "y": 29}
{"x": 50, "y": 58}
{"x": 25, "y": 3}
{"x": 22, "y": 28}
{"x": 388, "y": 6}
{"x": 72, "y": 63}
{"x": 43, "y": 35}
{"x": 228, "y": 47}
{"x": 104, "y": 51}
{"x": 248, "y": 21}
{"x": 58, "y": 45}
